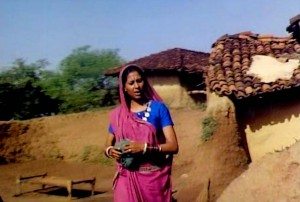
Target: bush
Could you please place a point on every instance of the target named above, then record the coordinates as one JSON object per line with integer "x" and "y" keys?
{"x": 209, "y": 125}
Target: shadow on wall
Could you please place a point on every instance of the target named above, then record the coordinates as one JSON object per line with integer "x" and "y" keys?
{"x": 194, "y": 82}
{"x": 174, "y": 88}
{"x": 269, "y": 120}
{"x": 269, "y": 109}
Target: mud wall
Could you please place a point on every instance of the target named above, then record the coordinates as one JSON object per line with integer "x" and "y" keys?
{"x": 172, "y": 91}
{"x": 229, "y": 157}
{"x": 220, "y": 159}
{"x": 271, "y": 123}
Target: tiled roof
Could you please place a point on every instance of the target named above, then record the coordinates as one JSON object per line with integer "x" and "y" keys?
{"x": 231, "y": 58}
{"x": 175, "y": 59}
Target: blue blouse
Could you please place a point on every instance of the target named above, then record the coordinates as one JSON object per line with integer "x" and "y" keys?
{"x": 159, "y": 116}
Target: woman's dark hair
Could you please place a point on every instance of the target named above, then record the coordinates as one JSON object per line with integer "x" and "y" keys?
{"x": 129, "y": 69}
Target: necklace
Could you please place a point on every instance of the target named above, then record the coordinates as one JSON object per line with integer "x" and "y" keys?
{"x": 146, "y": 113}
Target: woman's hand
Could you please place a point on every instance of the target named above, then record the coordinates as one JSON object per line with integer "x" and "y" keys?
{"x": 114, "y": 153}
{"x": 110, "y": 151}
{"x": 134, "y": 147}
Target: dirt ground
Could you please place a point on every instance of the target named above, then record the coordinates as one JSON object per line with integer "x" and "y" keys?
{"x": 274, "y": 177}
{"x": 71, "y": 146}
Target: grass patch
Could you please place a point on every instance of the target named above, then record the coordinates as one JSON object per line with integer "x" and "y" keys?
{"x": 202, "y": 106}
{"x": 94, "y": 154}
{"x": 87, "y": 150}
{"x": 209, "y": 126}
{"x": 73, "y": 155}
{"x": 55, "y": 153}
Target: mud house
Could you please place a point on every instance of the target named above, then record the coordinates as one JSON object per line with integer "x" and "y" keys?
{"x": 258, "y": 76}
{"x": 177, "y": 75}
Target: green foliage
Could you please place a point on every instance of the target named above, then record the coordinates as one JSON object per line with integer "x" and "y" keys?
{"x": 80, "y": 82}
{"x": 20, "y": 95}
{"x": 53, "y": 84}
{"x": 85, "y": 63}
{"x": 28, "y": 90}
{"x": 209, "y": 125}
{"x": 203, "y": 106}
{"x": 21, "y": 73}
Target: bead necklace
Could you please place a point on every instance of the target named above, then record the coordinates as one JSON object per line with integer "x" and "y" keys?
{"x": 146, "y": 113}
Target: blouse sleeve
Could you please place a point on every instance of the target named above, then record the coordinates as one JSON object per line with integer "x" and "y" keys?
{"x": 110, "y": 129}
{"x": 165, "y": 116}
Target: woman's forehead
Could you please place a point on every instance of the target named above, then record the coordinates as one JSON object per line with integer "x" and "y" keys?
{"x": 133, "y": 75}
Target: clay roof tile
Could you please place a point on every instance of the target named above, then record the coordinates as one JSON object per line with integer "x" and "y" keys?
{"x": 176, "y": 59}
{"x": 234, "y": 58}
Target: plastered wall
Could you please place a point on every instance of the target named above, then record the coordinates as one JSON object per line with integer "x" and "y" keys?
{"x": 272, "y": 128}
{"x": 173, "y": 94}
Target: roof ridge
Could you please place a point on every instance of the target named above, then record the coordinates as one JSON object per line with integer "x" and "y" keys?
{"x": 248, "y": 35}
{"x": 180, "y": 50}
{"x": 254, "y": 35}
{"x": 175, "y": 59}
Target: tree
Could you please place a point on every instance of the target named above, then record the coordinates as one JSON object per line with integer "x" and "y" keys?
{"x": 20, "y": 73}
{"x": 78, "y": 78}
{"x": 21, "y": 97}
{"x": 28, "y": 90}
{"x": 84, "y": 63}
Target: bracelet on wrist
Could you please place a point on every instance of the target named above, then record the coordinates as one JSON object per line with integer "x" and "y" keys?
{"x": 154, "y": 149}
{"x": 107, "y": 151}
{"x": 145, "y": 148}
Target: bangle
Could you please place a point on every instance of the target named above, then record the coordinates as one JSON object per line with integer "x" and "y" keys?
{"x": 107, "y": 151}
{"x": 159, "y": 148}
{"x": 154, "y": 149}
{"x": 145, "y": 148}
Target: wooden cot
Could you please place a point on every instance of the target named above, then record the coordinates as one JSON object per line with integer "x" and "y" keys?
{"x": 45, "y": 180}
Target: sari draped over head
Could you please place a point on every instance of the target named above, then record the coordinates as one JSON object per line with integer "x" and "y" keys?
{"x": 134, "y": 185}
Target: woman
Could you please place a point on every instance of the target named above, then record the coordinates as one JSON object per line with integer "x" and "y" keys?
{"x": 142, "y": 140}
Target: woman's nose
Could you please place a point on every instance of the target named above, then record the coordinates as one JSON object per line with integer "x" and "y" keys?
{"x": 135, "y": 85}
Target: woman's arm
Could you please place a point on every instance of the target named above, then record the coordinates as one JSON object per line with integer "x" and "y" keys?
{"x": 110, "y": 151}
{"x": 171, "y": 144}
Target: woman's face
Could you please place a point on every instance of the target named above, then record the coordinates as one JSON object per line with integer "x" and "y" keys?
{"x": 134, "y": 85}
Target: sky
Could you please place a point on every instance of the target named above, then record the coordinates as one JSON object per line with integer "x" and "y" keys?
{"x": 51, "y": 29}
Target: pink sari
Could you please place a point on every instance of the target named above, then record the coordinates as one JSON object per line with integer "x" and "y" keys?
{"x": 150, "y": 182}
